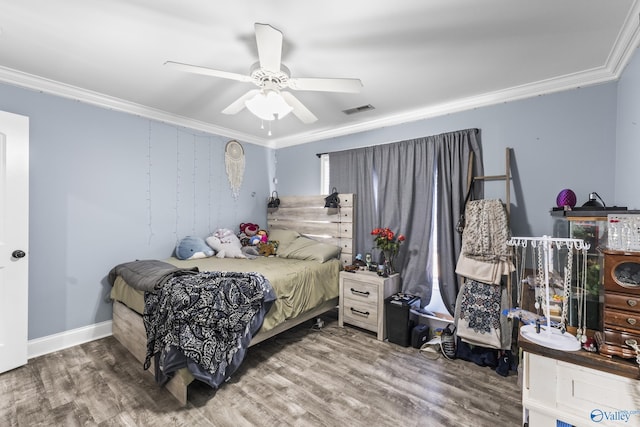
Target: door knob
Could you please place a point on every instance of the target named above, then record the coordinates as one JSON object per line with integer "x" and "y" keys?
{"x": 18, "y": 254}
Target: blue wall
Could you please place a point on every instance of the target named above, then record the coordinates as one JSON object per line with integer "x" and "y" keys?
{"x": 108, "y": 187}
{"x": 561, "y": 140}
{"x": 627, "y": 147}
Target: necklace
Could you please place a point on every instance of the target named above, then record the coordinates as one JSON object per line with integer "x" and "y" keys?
{"x": 539, "y": 281}
{"x": 579, "y": 297}
{"x": 520, "y": 272}
{"x": 583, "y": 338}
{"x": 566, "y": 298}
{"x": 581, "y": 292}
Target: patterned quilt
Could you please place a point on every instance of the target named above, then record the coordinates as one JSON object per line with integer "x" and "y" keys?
{"x": 205, "y": 322}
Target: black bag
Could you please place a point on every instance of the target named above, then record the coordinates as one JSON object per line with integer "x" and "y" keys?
{"x": 419, "y": 336}
{"x": 274, "y": 201}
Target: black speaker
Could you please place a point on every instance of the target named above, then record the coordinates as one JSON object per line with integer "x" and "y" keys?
{"x": 419, "y": 335}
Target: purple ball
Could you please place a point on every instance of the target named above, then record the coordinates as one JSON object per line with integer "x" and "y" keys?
{"x": 566, "y": 197}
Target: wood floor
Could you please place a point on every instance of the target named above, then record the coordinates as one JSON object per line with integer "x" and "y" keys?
{"x": 303, "y": 377}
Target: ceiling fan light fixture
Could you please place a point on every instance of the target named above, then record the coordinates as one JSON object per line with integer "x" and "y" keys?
{"x": 268, "y": 105}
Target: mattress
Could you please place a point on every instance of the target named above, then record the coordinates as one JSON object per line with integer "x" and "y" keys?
{"x": 300, "y": 285}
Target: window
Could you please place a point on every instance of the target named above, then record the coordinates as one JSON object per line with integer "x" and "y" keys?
{"x": 436, "y": 305}
{"x": 324, "y": 174}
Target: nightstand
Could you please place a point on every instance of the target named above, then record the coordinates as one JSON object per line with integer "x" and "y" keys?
{"x": 362, "y": 297}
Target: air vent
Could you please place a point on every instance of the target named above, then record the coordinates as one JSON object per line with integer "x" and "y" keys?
{"x": 359, "y": 109}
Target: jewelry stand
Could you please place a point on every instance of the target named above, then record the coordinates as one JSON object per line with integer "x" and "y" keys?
{"x": 546, "y": 335}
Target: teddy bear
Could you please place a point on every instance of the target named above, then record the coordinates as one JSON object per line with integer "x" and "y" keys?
{"x": 226, "y": 244}
{"x": 191, "y": 247}
{"x": 247, "y": 233}
{"x": 249, "y": 228}
{"x": 267, "y": 249}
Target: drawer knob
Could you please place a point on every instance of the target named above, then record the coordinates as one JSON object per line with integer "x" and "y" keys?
{"x": 360, "y": 313}
{"x": 361, "y": 293}
{"x": 632, "y": 302}
{"x": 631, "y": 321}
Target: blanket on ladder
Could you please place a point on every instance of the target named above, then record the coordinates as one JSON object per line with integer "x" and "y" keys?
{"x": 204, "y": 322}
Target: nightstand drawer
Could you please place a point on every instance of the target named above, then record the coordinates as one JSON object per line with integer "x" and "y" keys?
{"x": 361, "y": 291}
{"x": 360, "y": 314}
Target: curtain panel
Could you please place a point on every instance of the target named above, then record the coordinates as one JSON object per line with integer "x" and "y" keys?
{"x": 415, "y": 187}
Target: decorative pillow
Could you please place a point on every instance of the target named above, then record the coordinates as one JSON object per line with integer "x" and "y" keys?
{"x": 308, "y": 249}
{"x": 191, "y": 247}
{"x": 283, "y": 236}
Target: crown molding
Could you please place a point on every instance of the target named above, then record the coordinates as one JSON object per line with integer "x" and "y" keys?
{"x": 52, "y": 87}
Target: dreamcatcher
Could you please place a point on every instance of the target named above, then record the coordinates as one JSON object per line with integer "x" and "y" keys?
{"x": 234, "y": 163}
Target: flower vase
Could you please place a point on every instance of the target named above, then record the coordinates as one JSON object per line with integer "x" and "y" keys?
{"x": 388, "y": 264}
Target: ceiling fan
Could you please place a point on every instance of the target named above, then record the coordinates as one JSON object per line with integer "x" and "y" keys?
{"x": 271, "y": 77}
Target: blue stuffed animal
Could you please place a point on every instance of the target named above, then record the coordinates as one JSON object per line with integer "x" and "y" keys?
{"x": 193, "y": 248}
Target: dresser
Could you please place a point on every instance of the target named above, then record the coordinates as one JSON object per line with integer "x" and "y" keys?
{"x": 621, "y": 313}
{"x": 362, "y": 297}
{"x": 575, "y": 388}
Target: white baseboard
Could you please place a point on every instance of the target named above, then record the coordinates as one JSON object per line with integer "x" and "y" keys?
{"x": 55, "y": 342}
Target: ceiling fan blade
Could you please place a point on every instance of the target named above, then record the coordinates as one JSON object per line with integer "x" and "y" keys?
{"x": 269, "y": 41}
{"x": 237, "y": 105}
{"x": 326, "y": 85}
{"x": 299, "y": 109}
{"x": 208, "y": 71}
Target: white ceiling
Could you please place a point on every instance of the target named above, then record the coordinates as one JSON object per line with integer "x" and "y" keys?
{"x": 415, "y": 58}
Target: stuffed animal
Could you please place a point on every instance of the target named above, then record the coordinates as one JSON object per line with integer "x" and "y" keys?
{"x": 247, "y": 233}
{"x": 264, "y": 237}
{"x": 249, "y": 229}
{"x": 267, "y": 249}
{"x": 226, "y": 244}
{"x": 193, "y": 248}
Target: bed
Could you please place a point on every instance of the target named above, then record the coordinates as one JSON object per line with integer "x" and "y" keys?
{"x": 304, "y": 288}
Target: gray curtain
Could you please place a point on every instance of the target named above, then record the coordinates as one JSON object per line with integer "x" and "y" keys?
{"x": 351, "y": 172}
{"x": 396, "y": 186}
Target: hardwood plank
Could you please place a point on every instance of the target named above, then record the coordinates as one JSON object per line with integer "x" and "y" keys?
{"x": 306, "y": 213}
{"x": 335, "y": 376}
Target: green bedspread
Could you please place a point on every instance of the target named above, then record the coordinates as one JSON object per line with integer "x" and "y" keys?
{"x": 299, "y": 285}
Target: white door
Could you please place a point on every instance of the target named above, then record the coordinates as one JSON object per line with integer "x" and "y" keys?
{"x": 14, "y": 239}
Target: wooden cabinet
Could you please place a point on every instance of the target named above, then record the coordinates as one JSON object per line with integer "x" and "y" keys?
{"x": 621, "y": 311}
{"x": 362, "y": 297}
{"x": 554, "y": 390}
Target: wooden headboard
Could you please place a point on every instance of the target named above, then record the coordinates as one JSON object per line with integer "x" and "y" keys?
{"x": 308, "y": 216}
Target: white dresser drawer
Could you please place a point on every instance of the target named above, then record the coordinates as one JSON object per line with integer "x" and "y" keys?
{"x": 363, "y": 292}
{"x": 583, "y": 390}
{"x": 577, "y": 395}
{"x": 361, "y": 314}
